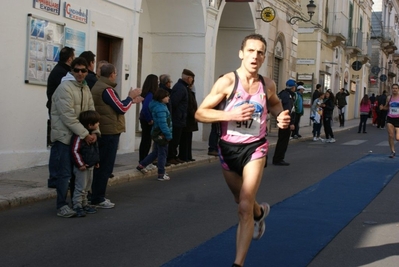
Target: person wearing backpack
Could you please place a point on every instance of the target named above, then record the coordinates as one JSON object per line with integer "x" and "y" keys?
{"x": 298, "y": 111}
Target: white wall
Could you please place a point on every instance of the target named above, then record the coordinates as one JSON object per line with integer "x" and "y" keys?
{"x": 24, "y": 120}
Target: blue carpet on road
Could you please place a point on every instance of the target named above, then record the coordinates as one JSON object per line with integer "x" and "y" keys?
{"x": 302, "y": 225}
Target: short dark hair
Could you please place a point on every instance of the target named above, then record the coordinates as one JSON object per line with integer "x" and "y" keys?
{"x": 65, "y": 53}
{"x": 107, "y": 69}
{"x": 253, "y": 36}
{"x": 318, "y": 86}
{"x": 89, "y": 117}
{"x": 88, "y": 55}
{"x": 79, "y": 61}
{"x": 160, "y": 94}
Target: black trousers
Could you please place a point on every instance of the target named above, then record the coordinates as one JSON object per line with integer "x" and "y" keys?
{"x": 185, "y": 146}
{"x": 282, "y": 144}
{"x": 382, "y": 115}
{"x": 174, "y": 143}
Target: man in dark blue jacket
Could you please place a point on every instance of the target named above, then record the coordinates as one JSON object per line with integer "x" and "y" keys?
{"x": 287, "y": 97}
{"x": 179, "y": 102}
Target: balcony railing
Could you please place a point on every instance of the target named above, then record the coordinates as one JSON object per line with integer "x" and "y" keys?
{"x": 337, "y": 24}
{"x": 388, "y": 34}
{"x": 356, "y": 39}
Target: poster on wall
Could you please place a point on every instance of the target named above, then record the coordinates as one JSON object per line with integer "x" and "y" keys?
{"x": 44, "y": 42}
{"x": 75, "y": 39}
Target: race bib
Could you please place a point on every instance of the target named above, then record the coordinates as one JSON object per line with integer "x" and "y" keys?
{"x": 245, "y": 128}
{"x": 394, "y": 111}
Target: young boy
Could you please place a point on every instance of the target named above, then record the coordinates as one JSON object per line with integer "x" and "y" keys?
{"x": 86, "y": 157}
{"x": 161, "y": 134}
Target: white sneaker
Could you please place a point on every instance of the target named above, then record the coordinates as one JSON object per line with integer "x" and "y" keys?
{"x": 315, "y": 138}
{"x": 151, "y": 167}
{"x": 332, "y": 140}
{"x": 260, "y": 226}
{"x": 106, "y": 204}
{"x": 165, "y": 177}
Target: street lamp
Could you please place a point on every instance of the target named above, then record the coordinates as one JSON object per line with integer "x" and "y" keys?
{"x": 311, "y": 9}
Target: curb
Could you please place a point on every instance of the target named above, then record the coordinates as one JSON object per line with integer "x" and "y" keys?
{"x": 33, "y": 195}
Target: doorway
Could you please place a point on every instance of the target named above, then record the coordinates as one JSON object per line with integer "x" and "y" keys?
{"x": 109, "y": 48}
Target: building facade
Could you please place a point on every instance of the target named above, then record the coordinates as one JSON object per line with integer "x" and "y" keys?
{"x": 385, "y": 44}
{"x": 139, "y": 37}
{"x": 334, "y": 49}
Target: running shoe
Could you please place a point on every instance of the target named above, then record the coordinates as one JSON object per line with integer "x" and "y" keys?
{"x": 260, "y": 226}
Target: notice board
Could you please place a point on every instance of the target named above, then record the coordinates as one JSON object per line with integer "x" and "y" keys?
{"x": 45, "y": 39}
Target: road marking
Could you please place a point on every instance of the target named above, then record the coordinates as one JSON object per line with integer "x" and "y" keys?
{"x": 354, "y": 142}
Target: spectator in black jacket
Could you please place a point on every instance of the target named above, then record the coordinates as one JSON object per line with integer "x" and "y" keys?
{"x": 316, "y": 92}
{"x": 179, "y": 101}
{"x": 287, "y": 97}
{"x": 328, "y": 108}
{"x": 67, "y": 55}
{"x": 186, "y": 139}
{"x": 382, "y": 114}
{"x": 340, "y": 101}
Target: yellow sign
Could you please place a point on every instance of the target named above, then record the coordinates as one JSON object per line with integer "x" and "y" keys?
{"x": 268, "y": 14}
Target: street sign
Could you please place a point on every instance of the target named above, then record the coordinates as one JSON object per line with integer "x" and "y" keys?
{"x": 375, "y": 70}
{"x": 383, "y": 78}
{"x": 357, "y": 65}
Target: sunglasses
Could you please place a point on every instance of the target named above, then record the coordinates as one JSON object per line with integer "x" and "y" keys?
{"x": 81, "y": 70}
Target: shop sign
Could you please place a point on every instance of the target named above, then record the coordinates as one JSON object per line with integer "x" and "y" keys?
{"x": 305, "y": 61}
{"x": 75, "y": 12}
{"x": 305, "y": 77}
{"x": 51, "y": 6}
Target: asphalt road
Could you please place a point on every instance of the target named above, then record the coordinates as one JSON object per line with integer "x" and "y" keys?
{"x": 154, "y": 222}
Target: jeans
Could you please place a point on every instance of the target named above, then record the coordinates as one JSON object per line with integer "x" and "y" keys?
{"x": 83, "y": 180}
{"x": 341, "y": 116}
{"x": 145, "y": 143}
{"x": 316, "y": 129}
{"x": 363, "y": 121}
{"x": 61, "y": 154}
{"x": 159, "y": 152}
{"x": 52, "y": 169}
{"x": 108, "y": 147}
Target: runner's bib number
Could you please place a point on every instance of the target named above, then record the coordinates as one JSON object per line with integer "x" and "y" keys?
{"x": 245, "y": 128}
{"x": 394, "y": 111}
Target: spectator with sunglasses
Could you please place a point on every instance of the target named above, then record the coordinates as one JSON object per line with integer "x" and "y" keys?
{"x": 71, "y": 97}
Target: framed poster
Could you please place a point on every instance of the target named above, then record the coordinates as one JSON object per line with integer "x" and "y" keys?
{"x": 44, "y": 41}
